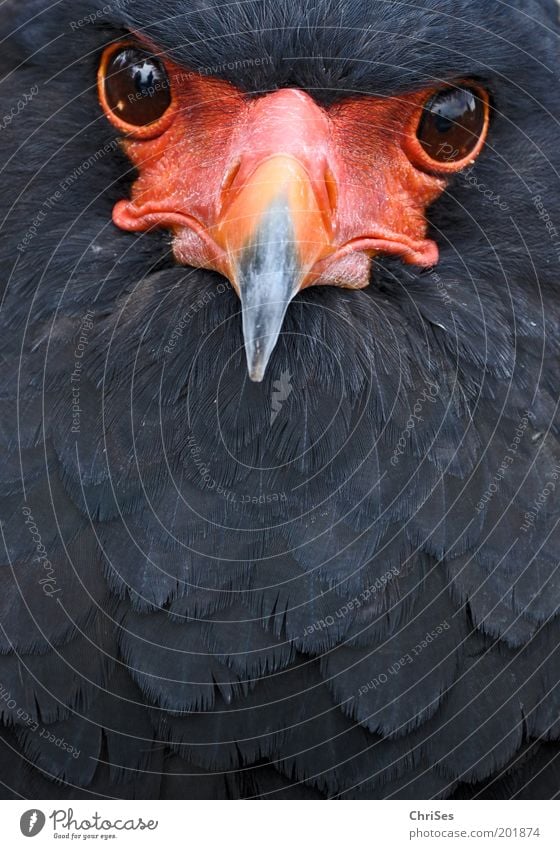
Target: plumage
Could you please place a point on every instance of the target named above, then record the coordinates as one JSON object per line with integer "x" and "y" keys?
{"x": 215, "y": 588}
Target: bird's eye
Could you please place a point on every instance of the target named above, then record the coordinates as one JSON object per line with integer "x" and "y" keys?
{"x": 135, "y": 87}
{"x": 453, "y": 125}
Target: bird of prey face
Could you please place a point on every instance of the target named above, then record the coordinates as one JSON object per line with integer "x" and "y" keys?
{"x": 277, "y": 192}
{"x": 279, "y": 399}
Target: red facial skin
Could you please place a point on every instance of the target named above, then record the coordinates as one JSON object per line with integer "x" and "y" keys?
{"x": 357, "y": 179}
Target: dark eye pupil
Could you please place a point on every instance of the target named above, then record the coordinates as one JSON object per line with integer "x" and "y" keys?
{"x": 451, "y": 125}
{"x": 137, "y": 87}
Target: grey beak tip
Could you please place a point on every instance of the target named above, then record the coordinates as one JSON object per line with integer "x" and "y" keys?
{"x": 268, "y": 273}
{"x": 257, "y": 361}
{"x": 259, "y": 349}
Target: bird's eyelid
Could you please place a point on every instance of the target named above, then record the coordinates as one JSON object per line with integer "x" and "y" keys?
{"x": 448, "y": 158}
{"x": 164, "y": 90}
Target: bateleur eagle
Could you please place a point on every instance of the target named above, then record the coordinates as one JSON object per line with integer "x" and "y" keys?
{"x": 279, "y": 399}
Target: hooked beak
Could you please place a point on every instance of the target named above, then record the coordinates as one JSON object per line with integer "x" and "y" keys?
{"x": 273, "y": 229}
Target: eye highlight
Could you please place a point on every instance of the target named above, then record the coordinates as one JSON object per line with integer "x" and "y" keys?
{"x": 134, "y": 89}
{"x": 451, "y": 128}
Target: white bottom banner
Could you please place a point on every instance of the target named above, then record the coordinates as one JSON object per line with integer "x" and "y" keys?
{"x": 282, "y": 825}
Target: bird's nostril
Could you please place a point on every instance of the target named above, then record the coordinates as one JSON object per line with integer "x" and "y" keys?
{"x": 326, "y": 192}
{"x": 229, "y": 179}
{"x": 332, "y": 192}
